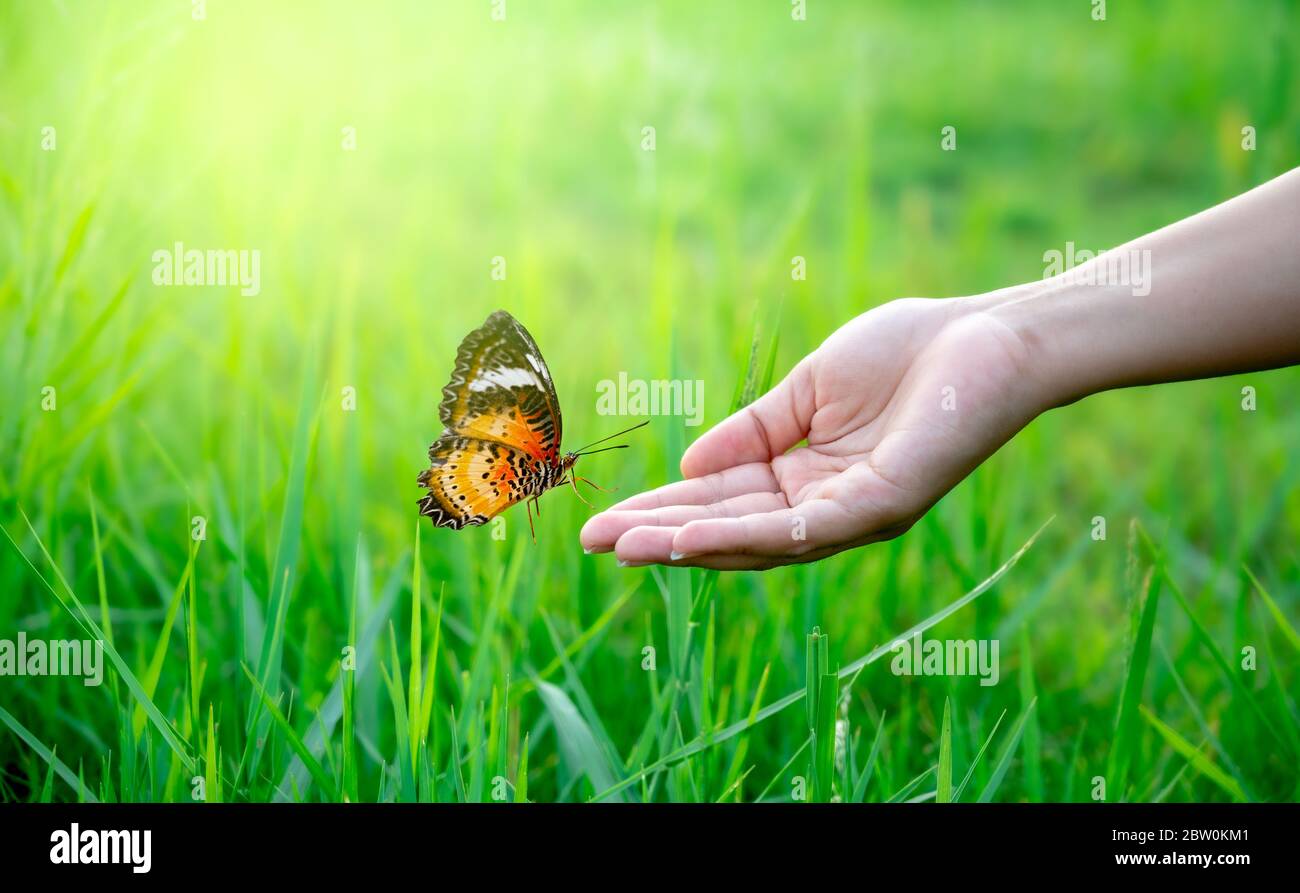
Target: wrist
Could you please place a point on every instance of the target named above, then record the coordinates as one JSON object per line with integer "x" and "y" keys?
{"x": 1040, "y": 316}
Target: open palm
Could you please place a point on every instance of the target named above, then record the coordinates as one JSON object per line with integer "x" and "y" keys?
{"x": 893, "y": 410}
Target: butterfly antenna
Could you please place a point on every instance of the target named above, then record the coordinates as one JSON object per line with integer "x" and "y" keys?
{"x": 611, "y": 437}
{"x": 621, "y": 446}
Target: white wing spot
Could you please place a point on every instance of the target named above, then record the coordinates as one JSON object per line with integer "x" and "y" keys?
{"x": 502, "y": 378}
{"x": 536, "y": 363}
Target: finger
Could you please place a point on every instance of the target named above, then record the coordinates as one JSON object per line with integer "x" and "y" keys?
{"x": 754, "y": 562}
{"x": 602, "y": 531}
{"x": 753, "y": 478}
{"x": 786, "y": 533}
{"x": 641, "y": 546}
{"x": 645, "y": 545}
{"x": 761, "y": 431}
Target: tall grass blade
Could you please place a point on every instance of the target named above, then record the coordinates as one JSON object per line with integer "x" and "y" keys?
{"x": 1004, "y": 758}
{"x": 943, "y": 785}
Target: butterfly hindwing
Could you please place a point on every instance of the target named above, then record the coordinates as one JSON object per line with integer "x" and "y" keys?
{"x": 471, "y": 481}
{"x": 501, "y": 390}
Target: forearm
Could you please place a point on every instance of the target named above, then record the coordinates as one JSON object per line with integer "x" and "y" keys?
{"x": 1214, "y": 294}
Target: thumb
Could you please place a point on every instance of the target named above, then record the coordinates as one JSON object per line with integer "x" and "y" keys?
{"x": 760, "y": 431}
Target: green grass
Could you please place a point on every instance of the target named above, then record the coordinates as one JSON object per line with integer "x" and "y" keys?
{"x": 319, "y": 644}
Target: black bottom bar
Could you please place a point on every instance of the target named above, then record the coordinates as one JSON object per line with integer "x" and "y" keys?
{"x": 333, "y": 842}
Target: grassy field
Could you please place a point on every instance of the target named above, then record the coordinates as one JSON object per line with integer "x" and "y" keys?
{"x": 315, "y": 642}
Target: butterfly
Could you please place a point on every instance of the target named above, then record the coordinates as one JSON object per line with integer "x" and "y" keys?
{"x": 502, "y": 428}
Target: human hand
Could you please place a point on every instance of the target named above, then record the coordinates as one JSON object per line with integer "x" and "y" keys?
{"x": 896, "y": 407}
{"x": 903, "y": 402}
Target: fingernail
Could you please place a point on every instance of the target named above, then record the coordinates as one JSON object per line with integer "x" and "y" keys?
{"x": 678, "y": 556}
{"x": 586, "y": 551}
{"x": 622, "y": 563}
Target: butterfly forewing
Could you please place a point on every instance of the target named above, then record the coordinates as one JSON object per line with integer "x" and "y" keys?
{"x": 501, "y": 390}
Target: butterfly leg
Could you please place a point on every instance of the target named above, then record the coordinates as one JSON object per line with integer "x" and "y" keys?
{"x": 573, "y": 482}
{"x": 598, "y": 486}
{"x": 529, "y": 509}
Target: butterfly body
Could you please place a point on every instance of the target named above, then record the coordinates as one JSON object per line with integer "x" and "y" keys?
{"x": 501, "y": 443}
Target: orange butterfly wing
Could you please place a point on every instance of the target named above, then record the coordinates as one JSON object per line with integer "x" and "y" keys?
{"x": 503, "y": 428}
{"x": 471, "y": 481}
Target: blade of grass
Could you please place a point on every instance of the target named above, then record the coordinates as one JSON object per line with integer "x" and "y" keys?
{"x": 906, "y": 790}
{"x": 943, "y": 787}
{"x": 864, "y": 778}
{"x": 318, "y": 773}
{"x": 577, "y": 743}
{"x": 153, "y": 672}
{"x": 46, "y": 754}
{"x": 961, "y": 788}
{"x": 1193, "y": 755}
{"x": 414, "y": 701}
{"x": 1004, "y": 758}
{"x": 1201, "y": 722}
{"x": 1278, "y": 617}
{"x": 1033, "y": 738}
{"x": 784, "y": 769}
{"x": 1142, "y": 621}
{"x": 521, "y": 773}
{"x": 289, "y": 539}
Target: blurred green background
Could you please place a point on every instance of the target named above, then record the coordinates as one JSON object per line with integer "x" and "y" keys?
{"x": 522, "y": 138}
